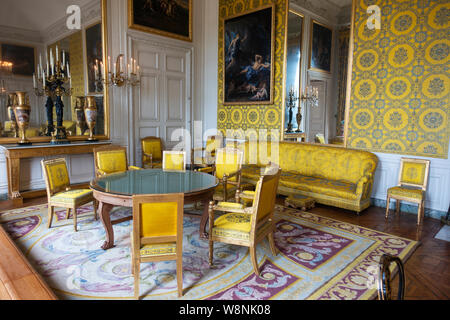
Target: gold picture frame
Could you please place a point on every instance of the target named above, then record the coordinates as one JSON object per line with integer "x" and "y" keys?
{"x": 311, "y": 47}
{"x": 132, "y": 24}
{"x": 271, "y": 90}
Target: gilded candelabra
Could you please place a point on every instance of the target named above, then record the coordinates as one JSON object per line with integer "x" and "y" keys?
{"x": 291, "y": 104}
{"x": 311, "y": 96}
{"x": 53, "y": 81}
{"x": 122, "y": 74}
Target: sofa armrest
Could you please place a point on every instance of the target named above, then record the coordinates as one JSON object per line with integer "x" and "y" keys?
{"x": 364, "y": 185}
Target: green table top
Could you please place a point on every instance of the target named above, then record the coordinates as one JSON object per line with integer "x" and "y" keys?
{"x": 154, "y": 181}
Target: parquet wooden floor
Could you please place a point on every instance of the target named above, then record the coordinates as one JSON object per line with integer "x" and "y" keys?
{"x": 427, "y": 270}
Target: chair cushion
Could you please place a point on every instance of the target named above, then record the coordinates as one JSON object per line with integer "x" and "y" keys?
{"x": 159, "y": 249}
{"x": 413, "y": 173}
{"x": 233, "y": 225}
{"x": 73, "y": 197}
{"x": 416, "y": 194}
{"x": 332, "y": 188}
{"x": 230, "y": 205}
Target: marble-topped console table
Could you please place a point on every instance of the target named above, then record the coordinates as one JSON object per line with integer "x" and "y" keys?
{"x": 14, "y": 153}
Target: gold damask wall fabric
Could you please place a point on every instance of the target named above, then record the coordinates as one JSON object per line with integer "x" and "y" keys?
{"x": 400, "y": 81}
{"x": 240, "y": 118}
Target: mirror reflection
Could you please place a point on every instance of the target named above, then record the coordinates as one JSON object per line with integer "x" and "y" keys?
{"x": 56, "y": 65}
{"x": 317, "y": 54}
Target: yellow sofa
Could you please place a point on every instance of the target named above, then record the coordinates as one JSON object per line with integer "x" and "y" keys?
{"x": 333, "y": 176}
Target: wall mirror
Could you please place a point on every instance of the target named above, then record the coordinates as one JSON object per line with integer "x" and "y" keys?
{"x": 38, "y": 38}
{"x": 318, "y": 53}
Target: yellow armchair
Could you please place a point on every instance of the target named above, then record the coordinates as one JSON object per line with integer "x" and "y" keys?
{"x": 204, "y": 157}
{"x": 157, "y": 233}
{"x": 412, "y": 185}
{"x": 152, "y": 151}
{"x": 111, "y": 159}
{"x": 59, "y": 192}
{"x": 246, "y": 226}
{"x": 174, "y": 160}
{"x": 227, "y": 169}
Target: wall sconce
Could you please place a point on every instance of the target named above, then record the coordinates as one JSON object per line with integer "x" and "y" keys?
{"x": 122, "y": 73}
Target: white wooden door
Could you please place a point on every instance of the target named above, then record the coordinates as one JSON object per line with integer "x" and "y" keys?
{"x": 317, "y": 115}
{"x": 162, "y": 104}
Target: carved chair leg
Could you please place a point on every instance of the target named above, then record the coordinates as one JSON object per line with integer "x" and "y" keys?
{"x": 273, "y": 248}
{"x": 136, "y": 267}
{"x": 254, "y": 260}
{"x": 67, "y": 213}
{"x": 388, "y": 201}
{"x": 51, "y": 211}
{"x": 75, "y": 219}
{"x": 180, "y": 277}
{"x": 397, "y": 206}
{"x": 420, "y": 213}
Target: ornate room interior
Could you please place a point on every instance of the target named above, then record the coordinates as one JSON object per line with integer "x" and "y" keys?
{"x": 224, "y": 150}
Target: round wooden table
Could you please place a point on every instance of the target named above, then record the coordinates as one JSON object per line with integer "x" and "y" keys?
{"x": 118, "y": 189}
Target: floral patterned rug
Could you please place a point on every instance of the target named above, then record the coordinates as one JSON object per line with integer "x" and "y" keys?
{"x": 320, "y": 258}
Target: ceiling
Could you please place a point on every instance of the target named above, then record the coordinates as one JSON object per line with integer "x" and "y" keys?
{"x": 35, "y": 15}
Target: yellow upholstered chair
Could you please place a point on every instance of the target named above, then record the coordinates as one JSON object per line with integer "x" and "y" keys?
{"x": 152, "y": 150}
{"x": 174, "y": 160}
{"x": 111, "y": 159}
{"x": 247, "y": 196}
{"x": 227, "y": 169}
{"x": 157, "y": 233}
{"x": 59, "y": 193}
{"x": 412, "y": 185}
{"x": 246, "y": 226}
{"x": 205, "y": 156}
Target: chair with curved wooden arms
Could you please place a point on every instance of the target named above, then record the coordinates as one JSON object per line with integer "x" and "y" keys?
{"x": 111, "y": 159}
{"x": 205, "y": 156}
{"x": 247, "y": 196}
{"x": 412, "y": 185}
{"x": 227, "y": 169}
{"x": 152, "y": 151}
{"x": 384, "y": 278}
{"x": 174, "y": 160}
{"x": 157, "y": 233}
{"x": 246, "y": 226}
{"x": 59, "y": 192}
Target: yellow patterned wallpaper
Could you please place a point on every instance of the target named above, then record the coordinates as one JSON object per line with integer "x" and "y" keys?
{"x": 240, "y": 118}
{"x": 76, "y": 68}
{"x": 400, "y": 81}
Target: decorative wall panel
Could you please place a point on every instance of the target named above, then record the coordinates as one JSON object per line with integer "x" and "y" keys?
{"x": 401, "y": 80}
{"x": 240, "y": 118}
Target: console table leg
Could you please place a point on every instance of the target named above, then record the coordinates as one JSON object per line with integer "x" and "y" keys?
{"x": 13, "y": 168}
{"x": 105, "y": 209}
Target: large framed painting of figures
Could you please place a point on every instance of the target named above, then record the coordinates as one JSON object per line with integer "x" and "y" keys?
{"x": 170, "y": 18}
{"x": 248, "y": 57}
{"x": 94, "y": 58}
{"x": 321, "y": 47}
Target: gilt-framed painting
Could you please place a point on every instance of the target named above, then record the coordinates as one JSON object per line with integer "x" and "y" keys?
{"x": 321, "y": 41}
{"x": 248, "y": 57}
{"x": 22, "y": 58}
{"x": 170, "y": 18}
{"x": 94, "y": 55}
